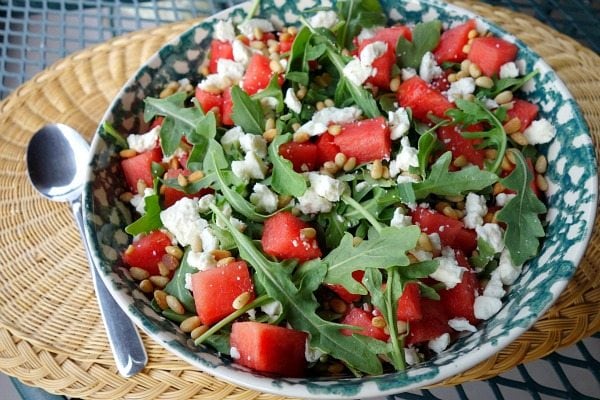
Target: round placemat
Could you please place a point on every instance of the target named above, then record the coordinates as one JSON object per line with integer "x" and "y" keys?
{"x": 51, "y": 334}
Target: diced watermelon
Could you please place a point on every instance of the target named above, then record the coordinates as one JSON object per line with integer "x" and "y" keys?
{"x": 227, "y": 108}
{"x": 269, "y": 348}
{"x": 207, "y": 100}
{"x": 282, "y": 238}
{"x": 172, "y": 195}
{"x": 433, "y": 324}
{"x": 441, "y": 83}
{"x": 140, "y": 168}
{"x": 304, "y": 156}
{"x": 422, "y": 99}
{"x": 367, "y": 140}
{"x": 215, "y": 290}
{"x": 452, "y": 232}
{"x": 490, "y": 53}
{"x": 343, "y": 293}
{"x": 258, "y": 74}
{"x": 383, "y": 65}
{"x": 219, "y": 50}
{"x": 286, "y": 45}
{"x": 525, "y": 111}
{"x": 147, "y": 251}
{"x": 362, "y": 319}
{"x": 453, "y": 141}
{"x": 409, "y": 304}
{"x": 157, "y": 121}
{"x": 458, "y": 301}
{"x": 452, "y": 41}
{"x": 326, "y": 148}
{"x": 392, "y": 34}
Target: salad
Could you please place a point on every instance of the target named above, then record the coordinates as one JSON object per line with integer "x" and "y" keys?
{"x": 340, "y": 196}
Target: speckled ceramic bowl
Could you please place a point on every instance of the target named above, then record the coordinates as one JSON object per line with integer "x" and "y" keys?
{"x": 571, "y": 202}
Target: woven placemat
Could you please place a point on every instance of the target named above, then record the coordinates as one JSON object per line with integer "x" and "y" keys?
{"x": 51, "y": 334}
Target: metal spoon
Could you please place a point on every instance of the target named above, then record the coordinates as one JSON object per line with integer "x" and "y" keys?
{"x": 57, "y": 157}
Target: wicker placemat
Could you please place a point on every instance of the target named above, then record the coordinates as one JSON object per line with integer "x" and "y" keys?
{"x": 51, "y": 334}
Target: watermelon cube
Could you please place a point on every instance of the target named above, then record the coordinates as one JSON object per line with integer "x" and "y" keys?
{"x": 227, "y": 108}
{"x": 219, "y": 50}
{"x": 422, "y": 99}
{"x": 458, "y": 301}
{"x": 304, "y": 156}
{"x": 490, "y": 53}
{"x": 139, "y": 167}
{"x": 172, "y": 195}
{"x": 452, "y": 140}
{"x": 452, "y": 41}
{"x": 525, "y": 111}
{"x": 343, "y": 293}
{"x": 282, "y": 238}
{"x": 367, "y": 140}
{"x": 362, "y": 319}
{"x": 258, "y": 74}
{"x": 409, "y": 304}
{"x": 215, "y": 290}
{"x": 452, "y": 232}
{"x": 433, "y": 324}
{"x": 326, "y": 148}
{"x": 208, "y": 100}
{"x": 147, "y": 251}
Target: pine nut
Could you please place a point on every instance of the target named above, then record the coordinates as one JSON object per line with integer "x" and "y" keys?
{"x": 424, "y": 242}
{"x": 320, "y": 105}
{"x": 377, "y": 169}
{"x": 488, "y": 218}
{"x": 504, "y": 97}
{"x": 441, "y": 205}
{"x": 512, "y": 126}
{"x": 474, "y": 69}
{"x": 541, "y": 183}
{"x": 270, "y": 134}
{"x": 276, "y": 66}
{"x": 340, "y": 159}
{"x": 292, "y": 30}
{"x": 460, "y": 205}
{"x": 450, "y": 212}
{"x": 329, "y": 103}
{"x": 225, "y": 261}
{"x": 395, "y": 84}
{"x": 141, "y": 186}
{"x": 412, "y": 258}
{"x": 182, "y": 180}
{"x": 386, "y": 172}
{"x": 126, "y": 197}
{"x": 455, "y": 199}
{"x": 378, "y": 322}
{"x": 491, "y": 154}
{"x": 146, "y": 286}
{"x": 219, "y": 254}
{"x": 452, "y": 78}
{"x": 285, "y": 37}
{"x": 301, "y": 137}
{"x": 163, "y": 269}
{"x": 464, "y": 66}
{"x": 204, "y": 70}
{"x": 520, "y": 139}
{"x": 196, "y": 333}
{"x": 174, "y": 163}
{"x": 161, "y": 299}
{"x": 334, "y": 130}
{"x": 269, "y": 123}
{"x": 484, "y": 82}
{"x": 189, "y": 324}
{"x": 167, "y": 91}
{"x": 356, "y": 240}
{"x": 338, "y": 306}
{"x": 541, "y": 164}
{"x": 196, "y": 244}
{"x": 301, "y": 92}
{"x": 127, "y": 153}
{"x": 159, "y": 281}
{"x": 336, "y": 368}
{"x": 472, "y": 34}
{"x": 195, "y": 176}
{"x": 330, "y": 167}
{"x": 466, "y": 48}
{"x": 460, "y": 161}
{"x": 258, "y": 33}
{"x": 175, "y": 304}
{"x": 510, "y": 155}
{"x": 139, "y": 274}
{"x": 498, "y": 188}
{"x": 350, "y": 164}
{"x": 506, "y": 165}
{"x": 462, "y": 74}
{"x": 258, "y": 45}
{"x": 308, "y": 233}
{"x": 241, "y": 300}
{"x": 283, "y": 200}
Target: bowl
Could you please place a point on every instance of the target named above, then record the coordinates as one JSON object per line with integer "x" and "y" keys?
{"x": 571, "y": 200}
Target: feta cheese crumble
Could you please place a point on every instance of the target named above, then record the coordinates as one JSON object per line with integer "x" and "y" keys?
{"x": 406, "y": 158}
{"x": 205, "y": 201}
{"x": 311, "y": 354}
{"x": 356, "y": 72}
{"x": 440, "y": 343}
{"x": 540, "y": 131}
{"x": 448, "y": 271}
{"x": 201, "y": 260}
{"x": 460, "y": 88}
{"x": 508, "y": 271}
{"x": 224, "y": 31}
{"x": 252, "y": 167}
{"x": 429, "y": 68}
{"x": 232, "y": 137}
{"x": 254, "y": 143}
{"x": 503, "y": 198}
{"x": 184, "y": 222}
{"x": 476, "y": 209}
{"x": 408, "y": 73}
{"x": 372, "y": 52}
{"x": 311, "y": 203}
{"x": 138, "y": 200}
{"x": 399, "y": 219}
{"x": 330, "y": 115}
{"x": 144, "y": 142}
{"x": 234, "y": 353}
{"x": 232, "y": 70}
{"x": 248, "y": 27}
{"x": 241, "y": 52}
{"x": 263, "y": 198}
{"x": 326, "y": 186}
{"x": 292, "y": 102}
{"x": 323, "y": 19}
{"x": 399, "y": 123}
{"x": 461, "y": 325}
{"x": 509, "y": 70}
{"x": 492, "y": 234}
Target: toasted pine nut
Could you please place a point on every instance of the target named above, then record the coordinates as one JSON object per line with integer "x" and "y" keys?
{"x": 320, "y": 105}
{"x": 377, "y": 169}
{"x": 258, "y": 33}
{"x": 336, "y": 368}
{"x": 506, "y": 165}
{"x": 474, "y": 69}
{"x": 204, "y": 70}
{"x": 450, "y": 212}
{"x": 452, "y": 78}
{"x": 330, "y": 167}
{"x": 139, "y": 274}
{"x": 541, "y": 182}
{"x": 301, "y": 92}
{"x": 257, "y": 44}
{"x": 146, "y": 286}
{"x": 491, "y": 154}
{"x": 464, "y": 66}
{"x": 395, "y": 84}
{"x": 472, "y": 34}
{"x": 219, "y": 254}
{"x": 329, "y": 103}
{"x": 182, "y": 180}
{"x": 195, "y": 176}
{"x": 541, "y": 164}
{"x": 424, "y": 242}
{"x": 308, "y": 233}
{"x": 504, "y": 97}
{"x": 241, "y": 300}
{"x": 189, "y": 324}
{"x": 484, "y": 82}
{"x": 269, "y": 123}
{"x": 141, "y": 186}
{"x": 462, "y": 74}
{"x": 334, "y": 130}
{"x": 350, "y": 164}
{"x": 161, "y": 299}
{"x": 225, "y": 261}
{"x": 386, "y": 172}
{"x": 519, "y": 138}
{"x": 163, "y": 269}
{"x": 197, "y": 332}
{"x": 283, "y": 200}
{"x": 441, "y": 205}
{"x": 270, "y": 134}
{"x": 511, "y": 157}
{"x": 466, "y": 48}
{"x": 378, "y": 322}
{"x": 498, "y": 188}
{"x": 412, "y": 258}
{"x": 301, "y": 137}
{"x": 488, "y": 218}
{"x": 127, "y": 153}
{"x": 338, "y": 306}
{"x": 512, "y": 126}
{"x": 460, "y": 161}
{"x": 175, "y": 304}
{"x": 455, "y": 199}
{"x": 126, "y": 197}
{"x": 356, "y": 240}
{"x": 285, "y": 37}
{"x": 159, "y": 281}
{"x": 275, "y": 66}
{"x": 340, "y": 159}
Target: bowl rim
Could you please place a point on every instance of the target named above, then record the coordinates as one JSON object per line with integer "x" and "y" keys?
{"x": 365, "y": 386}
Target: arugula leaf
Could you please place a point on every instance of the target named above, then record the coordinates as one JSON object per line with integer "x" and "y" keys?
{"x": 521, "y": 214}
{"x": 419, "y": 270}
{"x": 247, "y": 113}
{"x": 150, "y": 220}
{"x": 428, "y": 143}
{"x": 272, "y": 90}
{"x": 297, "y": 62}
{"x": 176, "y": 286}
{"x": 444, "y": 183}
{"x": 300, "y": 307}
{"x": 385, "y": 250}
{"x": 110, "y": 133}
{"x": 426, "y": 36}
{"x": 205, "y": 129}
{"x": 179, "y": 120}
{"x": 214, "y": 158}
{"x": 284, "y": 180}
{"x": 485, "y": 254}
{"x": 512, "y": 84}
{"x": 372, "y": 207}
{"x": 356, "y": 15}
{"x": 335, "y": 226}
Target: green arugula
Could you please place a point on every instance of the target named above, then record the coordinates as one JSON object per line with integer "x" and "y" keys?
{"x": 298, "y": 69}
{"x": 521, "y": 214}
{"x": 485, "y": 255}
{"x": 176, "y": 286}
{"x": 425, "y": 37}
{"x": 179, "y": 120}
{"x": 109, "y": 132}
{"x": 272, "y": 90}
{"x": 500, "y": 85}
{"x": 355, "y": 15}
{"x": 471, "y": 112}
{"x": 284, "y": 180}
{"x": 150, "y": 220}
{"x": 335, "y": 225}
{"x": 418, "y": 270}
{"x": 300, "y": 306}
{"x": 428, "y": 143}
{"x": 247, "y": 112}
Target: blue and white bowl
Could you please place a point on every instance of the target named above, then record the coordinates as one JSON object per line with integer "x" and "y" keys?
{"x": 572, "y": 199}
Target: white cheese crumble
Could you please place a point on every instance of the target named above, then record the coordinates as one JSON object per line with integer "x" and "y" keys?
{"x": 411, "y": 356}
{"x": 201, "y": 260}
{"x": 494, "y": 287}
{"x": 372, "y": 52}
{"x": 490, "y": 104}
{"x": 292, "y": 102}
{"x": 232, "y": 70}
{"x": 273, "y": 309}
{"x": 461, "y": 324}
{"x": 232, "y": 137}
{"x": 263, "y": 198}
{"x": 485, "y": 307}
{"x": 448, "y": 271}
{"x": 406, "y": 158}
{"x": 144, "y": 142}
{"x": 356, "y": 72}
{"x": 492, "y": 234}
{"x": 436, "y": 241}
{"x": 330, "y": 115}
{"x": 399, "y": 123}
{"x": 311, "y": 354}
{"x": 422, "y": 255}
{"x": 323, "y": 19}
{"x": 224, "y": 31}
{"x": 205, "y": 201}
{"x": 188, "y": 281}
{"x": 366, "y": 33}
{"x": 429, "y": 69}
{"x": 252, "y": 167}
{"x": 214, "y": 81}
{"x": 139, "y": 202}
{"x": 234, "y": 353}
{"x": 440, "y": 343}
{"x": 254, "y": 143}
{"x": 509, "y": 70}
{"x": 183, "y": 221}
{"x": 503, "y": 198}
{"x": 460, "y": 88}
{"x": 508, "y": 271}
{"x": 247, "y": 27}
{"x": 241, "y": 52}
{"x": 311, "y": 203}
{"x": 540, "y": 131}
{"x": 399, "y": 219}
{"x": 326, "y": 186}
{"x": 408, "y": 73}
{"x": 476, "y": 209}
{"x": 406, "y": 179}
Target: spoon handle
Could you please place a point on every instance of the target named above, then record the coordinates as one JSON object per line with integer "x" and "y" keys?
{"x": 125, "y": 341}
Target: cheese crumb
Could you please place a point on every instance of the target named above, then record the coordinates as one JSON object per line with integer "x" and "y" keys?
{"x": 224, "y": 31}
{"x": 540, "y": 131}
{"x": 326, "y": 186}
{"x": 399, "y": 123}
{"x": 429, "y": 69}
{"x": 251, "y": 167}
{"x": 144, "y": 142}
{"x": 372, "y": 52}
{"x": 440, "y": 343}
{"x": 476, "y": 208}
{"x": 356, "y": 72}
{"x": 406, "y": 158}
{"x": 461, "y": 324}
{"x": 460, "y": 88}
{"x": 492, "y": 234}
{"x": 263, "y": 198}
{"x": 448, "y": 271}
{"x": 247, "y": 27}
{"x": 183, "y": 221}
{"x": 292, "y": 102}
{"x": 508, "y": 271}
{"x": 330, "y": 115}
{"x": 311, "y": 203}
{"x": 509, "y": 70}
{"x": 399, "y": 219}
{"x": 323, "y": 19}
{"x": 254, "y": 143}
{"x": 201, "y": 260}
